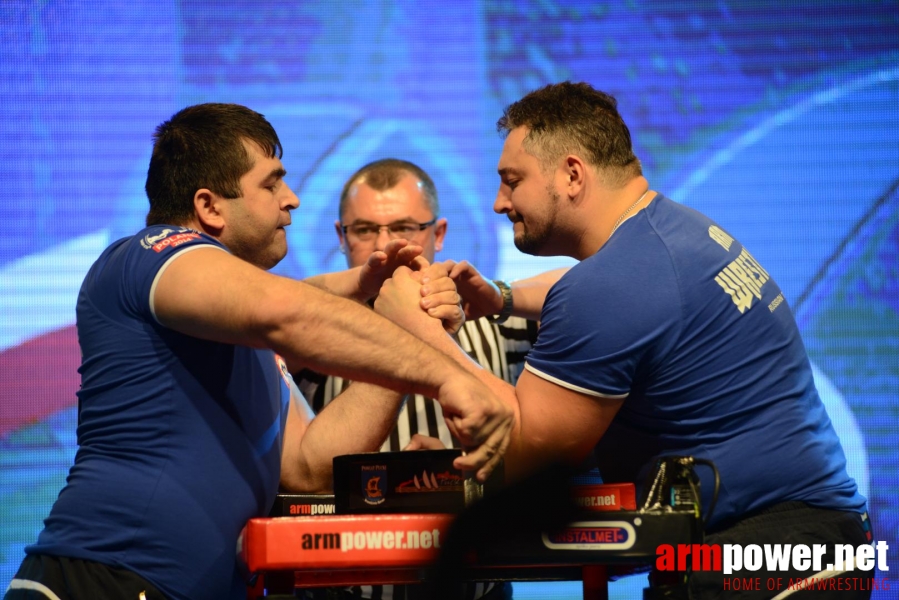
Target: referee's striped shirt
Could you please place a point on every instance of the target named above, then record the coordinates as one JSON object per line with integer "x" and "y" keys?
{"x": 499, "y": 348}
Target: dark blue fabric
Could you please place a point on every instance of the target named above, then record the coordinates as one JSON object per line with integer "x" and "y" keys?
{"x": 678, "y": 316}
{"x": 179, "y": 438}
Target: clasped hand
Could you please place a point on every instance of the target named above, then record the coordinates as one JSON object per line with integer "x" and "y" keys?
{"x": 403, "y": 280}
{"x": 419, "y": 298}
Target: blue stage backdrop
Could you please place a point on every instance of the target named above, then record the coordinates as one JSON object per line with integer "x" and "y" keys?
{"x": 778, "y": 119}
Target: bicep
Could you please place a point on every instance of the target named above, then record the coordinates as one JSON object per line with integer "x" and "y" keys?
{"x": 299, "y": 416}
{"x": 556, "y": 424}
{"x": 210, "y": 294}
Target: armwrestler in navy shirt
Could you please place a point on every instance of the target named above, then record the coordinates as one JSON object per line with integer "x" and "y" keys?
{"x": 668, "y": 337}
{"x": 189, "y": 418}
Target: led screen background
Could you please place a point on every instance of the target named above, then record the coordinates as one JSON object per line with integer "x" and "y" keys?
{"x": 778, "y": 119}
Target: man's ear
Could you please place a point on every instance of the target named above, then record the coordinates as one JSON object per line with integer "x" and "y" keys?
{"x": 207, "y": 206}
{"x": 574, "y": 173}
{"x": 339, "y": 229}
{"x": 439, "y": 234}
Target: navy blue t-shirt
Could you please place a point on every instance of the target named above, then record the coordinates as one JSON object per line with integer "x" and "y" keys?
{"x": 677, "y": 316}
{"x": 179, "y": 438}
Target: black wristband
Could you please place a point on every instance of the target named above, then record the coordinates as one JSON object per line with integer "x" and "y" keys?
{"x": 506, "y": 312}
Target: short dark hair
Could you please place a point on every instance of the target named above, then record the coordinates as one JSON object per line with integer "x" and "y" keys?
{"x": 202, "y": 146}
{"x": 383, "y": 174}
{"x": 575, "y": 118}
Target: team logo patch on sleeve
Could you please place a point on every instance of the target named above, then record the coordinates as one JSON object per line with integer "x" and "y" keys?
{"x": 168, "y": 238}
{"x": 282, "y": 368}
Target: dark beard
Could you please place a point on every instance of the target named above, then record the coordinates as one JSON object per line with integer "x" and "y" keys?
{"x": 532, "y": 242}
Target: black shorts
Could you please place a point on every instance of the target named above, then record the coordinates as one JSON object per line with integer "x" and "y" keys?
{"x": 788, "y": 523}
{"x": 45, "y": 577}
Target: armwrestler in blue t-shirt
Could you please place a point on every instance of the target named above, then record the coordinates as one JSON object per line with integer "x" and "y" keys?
{"x": 186, "y": 423}
{"x": 667, "y": 337}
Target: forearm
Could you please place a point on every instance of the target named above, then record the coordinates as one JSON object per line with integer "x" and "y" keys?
{"x": 345, "y": 284}
{"x": 528, "y": 295}
{"x": 504, "y": 390}
{"x": 339, "y": 337}
{"x": 362, "y": 283}
{"x": 211, "y": 295}
{"x": 541, "y": 435}
{"x": 308, "y": 459}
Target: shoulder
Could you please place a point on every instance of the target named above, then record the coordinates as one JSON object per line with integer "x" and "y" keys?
{"x": 629, "y": 289}
{"x": 156, "y": 245}
{"x": 683, "y": 229}
{"x": 132, "y": 265}
{"x": 152, "y": 250}
{"x": 166, "y": 239}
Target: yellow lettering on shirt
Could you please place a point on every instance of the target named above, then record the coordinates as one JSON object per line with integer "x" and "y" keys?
{"x": 741, "y": 296}
{"x": 717, "y": 234}
{"x": 745, "y": 277}
{"x": 742, "y": 280}
{"x": 776, "y": 302}
{"x": 753, "y": 265}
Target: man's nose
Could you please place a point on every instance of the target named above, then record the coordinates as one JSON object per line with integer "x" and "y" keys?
{"x": 383, "y": 238}
{"x": 501, "y": 204}
{"x": 291, "y": 200}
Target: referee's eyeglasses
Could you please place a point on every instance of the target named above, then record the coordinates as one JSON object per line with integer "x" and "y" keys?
{"x": 367, "y": 232}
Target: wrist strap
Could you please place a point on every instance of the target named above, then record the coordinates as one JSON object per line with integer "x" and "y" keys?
{"x": 506, "y": 311}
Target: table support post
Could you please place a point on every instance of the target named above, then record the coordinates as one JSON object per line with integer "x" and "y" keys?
{"x": 596, "y": 582}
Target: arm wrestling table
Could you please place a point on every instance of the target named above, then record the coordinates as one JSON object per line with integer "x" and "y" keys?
{"x": 339, "y": 550}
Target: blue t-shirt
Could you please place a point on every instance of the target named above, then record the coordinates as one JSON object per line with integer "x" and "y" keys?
{"x": 179, "y": 438}
{"x": 675, "y": 314}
